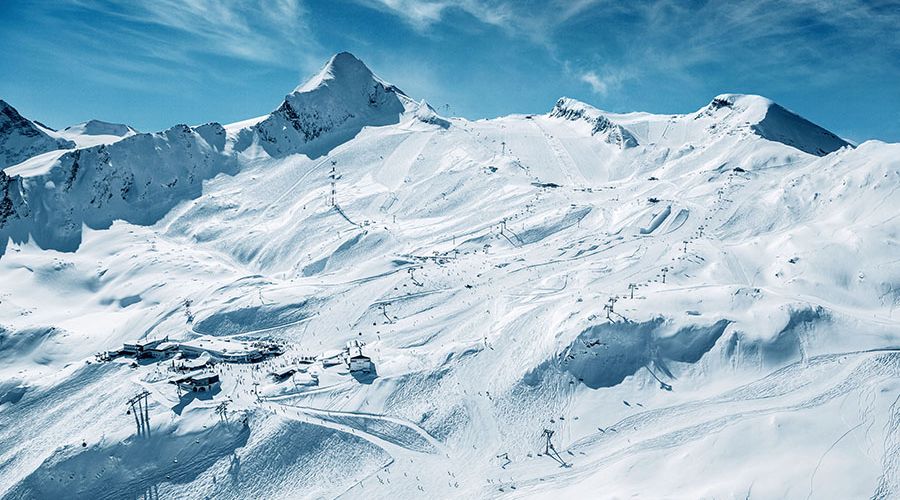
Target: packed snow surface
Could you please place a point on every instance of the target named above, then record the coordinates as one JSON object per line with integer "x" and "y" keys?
{"x": 577, "y": 304}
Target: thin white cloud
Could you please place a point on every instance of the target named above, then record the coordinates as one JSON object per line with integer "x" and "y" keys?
{"x": 266, "y": 32}
{"x": 422, "y": 14}
{"x": 603, "y": 81}
{"x": 810, "y": 39}
{"x": 534, "y": 21}
{"x": 597, "y": 85}
{"x": 152, "y": 45}
{"x": 815, "y": 39}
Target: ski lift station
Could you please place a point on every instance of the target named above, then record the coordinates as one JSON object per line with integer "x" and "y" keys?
{"x": 147, "y": 348}
{"x": 162, "y": 350}
{"x": 360, "y": 363}
{"x": 356, "y": 360}
{"x": 213, "y": 348}
{"x": 198, "y": 381}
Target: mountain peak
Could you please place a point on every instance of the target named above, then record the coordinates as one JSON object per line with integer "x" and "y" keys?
{"x": 773, "y": 122}
{"x": 574, "y": 110}
{"x": 99, "y": 127}
{"x": 21, "y": 138}
{"x": 95, "y": 132}
{"x": 331, "y": 107}
{"x": 342, "y": 67}
{"x": 744, "y": 100}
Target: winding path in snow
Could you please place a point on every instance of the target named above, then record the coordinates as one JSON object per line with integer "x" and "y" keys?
{"x": 390, "y": 441}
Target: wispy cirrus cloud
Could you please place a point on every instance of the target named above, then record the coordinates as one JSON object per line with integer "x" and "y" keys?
{"x": 597, "y": 85}
{"x": 253, "y": 30}
{"x": 534, "y": 20}
{"x": 604, "y": 80}
{"x": 423, "y": 13}
{"x": 797, "y": 41}
{"x": 814, "y": 39}
{"x": 125, "y": 43}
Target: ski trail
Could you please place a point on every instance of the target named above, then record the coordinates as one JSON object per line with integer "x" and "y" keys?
{"x": 564, "y": 159}
{"x": 889, "y": 481}
{"x": 389, "y": 437}
{"x": 296, "y": 183}
{"x": 822, "y": 458}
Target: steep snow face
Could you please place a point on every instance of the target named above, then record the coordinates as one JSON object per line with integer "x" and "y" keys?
{"x": 20, "y": 138}
{"x": 773, "y": 122}
{"x": 96, "y": 132}
{"x": 329, "y": 109}
{"x": 571, "y": 109}
{"x": 138, "y": 179}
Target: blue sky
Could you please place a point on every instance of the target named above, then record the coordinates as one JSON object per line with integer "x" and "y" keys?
{"x": 154, "y": 64}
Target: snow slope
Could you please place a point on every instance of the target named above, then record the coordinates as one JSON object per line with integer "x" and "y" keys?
{"x": 96, "y": 132}
{"x": 751, "y": 351}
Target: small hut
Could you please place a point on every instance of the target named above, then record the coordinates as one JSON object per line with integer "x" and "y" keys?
{"x": 360, "y": 363}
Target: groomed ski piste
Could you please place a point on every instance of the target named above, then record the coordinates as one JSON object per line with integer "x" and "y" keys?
{"x": 577, "y": 304}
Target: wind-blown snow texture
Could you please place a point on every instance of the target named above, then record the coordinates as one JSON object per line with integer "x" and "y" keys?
{"x": 751, "y": 349}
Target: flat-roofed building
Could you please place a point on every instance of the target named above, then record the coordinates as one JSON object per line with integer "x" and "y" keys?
{"x": 198, "y": 381}
{"x": 231, "y": 351}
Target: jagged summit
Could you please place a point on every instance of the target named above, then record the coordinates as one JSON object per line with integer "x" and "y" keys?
{"x": 330, "y": 108}
{"x": 340, "y": 67}
{"x": 573, "y": 109}
{"x": 745, "y": 100}
{"x": 21, "y": 138}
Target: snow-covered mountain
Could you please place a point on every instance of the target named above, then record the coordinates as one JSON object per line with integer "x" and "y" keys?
{"x": 726, "y": 114}
{"x": 95, "y": 132}
{"x": 697, "y": 305}
{"x": 21, "y": 138}
{"x": 327, "y": 110}
{"x": 51, "y": 198}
